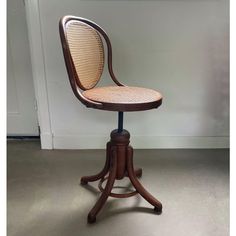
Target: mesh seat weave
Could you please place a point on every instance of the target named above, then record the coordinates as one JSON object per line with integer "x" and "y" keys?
{"x": 122, "y": 95}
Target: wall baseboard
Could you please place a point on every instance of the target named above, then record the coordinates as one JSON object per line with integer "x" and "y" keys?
{"x": 140, "y": 142}
{"x": 46, "y": 141}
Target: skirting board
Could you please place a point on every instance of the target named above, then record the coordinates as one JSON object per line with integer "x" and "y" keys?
{"x": 140, "y": 142}
{"x": 46, "y": 141}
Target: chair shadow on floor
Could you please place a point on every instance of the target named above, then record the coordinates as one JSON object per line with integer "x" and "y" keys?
{"x": 91, "y": 188}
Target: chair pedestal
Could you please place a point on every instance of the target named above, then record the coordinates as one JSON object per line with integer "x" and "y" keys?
{"x": 119, "y": 164}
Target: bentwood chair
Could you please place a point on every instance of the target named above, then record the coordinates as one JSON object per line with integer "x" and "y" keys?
{"x": 84, "y": 58}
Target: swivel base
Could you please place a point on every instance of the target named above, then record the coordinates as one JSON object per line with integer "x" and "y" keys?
{"x": 119, "y": 164}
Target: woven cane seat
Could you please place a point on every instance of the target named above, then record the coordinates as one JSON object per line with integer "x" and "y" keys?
{"x": 124, "y": 98}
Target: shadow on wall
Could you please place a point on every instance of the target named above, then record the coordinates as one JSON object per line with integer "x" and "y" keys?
{"x": 217, "y": 92}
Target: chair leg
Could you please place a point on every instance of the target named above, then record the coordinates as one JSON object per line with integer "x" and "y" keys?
{"x": 105, "y": 194}
{"x": 85, "y": 179}
{"x": 138, "y": 186}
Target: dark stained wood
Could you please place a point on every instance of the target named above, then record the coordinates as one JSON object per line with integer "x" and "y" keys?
{"x": 105, "y": 194}
{"x": 84, "y": 180}
{"x": 119, "y": 164}
{"x": 120, "y": 141}
{"x": 138, "y": 186}
{"x": 116, "y": 195}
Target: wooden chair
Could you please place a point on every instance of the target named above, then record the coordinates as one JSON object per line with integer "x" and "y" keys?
{"x": 84, "y": 58}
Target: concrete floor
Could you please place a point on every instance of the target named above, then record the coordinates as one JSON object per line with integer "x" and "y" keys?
{"x": 45, "y": 198}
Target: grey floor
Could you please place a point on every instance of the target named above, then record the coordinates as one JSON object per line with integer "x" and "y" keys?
{"x": 45, "y": 198}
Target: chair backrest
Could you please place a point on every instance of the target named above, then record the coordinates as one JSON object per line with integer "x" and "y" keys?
{"x": 87, "y": 53}
{"x": 84, "y": 52}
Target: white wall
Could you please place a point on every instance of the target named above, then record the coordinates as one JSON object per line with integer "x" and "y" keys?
{"x": 178, "y": 47}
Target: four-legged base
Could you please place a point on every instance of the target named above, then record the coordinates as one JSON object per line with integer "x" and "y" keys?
{"x": 119, "y": 163}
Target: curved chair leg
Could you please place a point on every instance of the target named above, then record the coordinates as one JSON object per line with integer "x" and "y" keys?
{"x": 85, "y": 179}
{"x": 138, "y": 186}
{"x": 105, "y": 194}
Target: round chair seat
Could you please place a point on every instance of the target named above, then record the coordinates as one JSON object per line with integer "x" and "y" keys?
{"x": 124, "y": 98}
